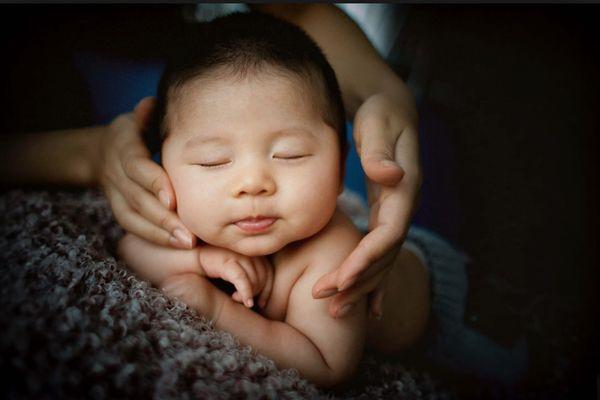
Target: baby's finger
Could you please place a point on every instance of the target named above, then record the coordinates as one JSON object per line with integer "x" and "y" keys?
{"x": 265, "y": 295}
{"x": 234, "y": 273}
{"x": 251, "y": 273}
{"x": 260, "y": 267}
{"x": 237, "y": 297}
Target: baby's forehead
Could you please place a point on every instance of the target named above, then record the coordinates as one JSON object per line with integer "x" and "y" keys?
{"x": 227, "y": 94}
{"x": 305, "y": 84}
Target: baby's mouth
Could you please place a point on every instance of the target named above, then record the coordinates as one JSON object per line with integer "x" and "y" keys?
{"x": 255, "y": 224}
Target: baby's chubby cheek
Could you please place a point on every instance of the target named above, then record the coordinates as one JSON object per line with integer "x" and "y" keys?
{"x": 311, "y": 210}
{"x": 200, "y": 216}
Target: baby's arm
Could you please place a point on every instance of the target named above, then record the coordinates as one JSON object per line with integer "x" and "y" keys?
{"x": 156, "y": 263}
{"x": 165, "y": 265}
{"x": 325, "y": 351}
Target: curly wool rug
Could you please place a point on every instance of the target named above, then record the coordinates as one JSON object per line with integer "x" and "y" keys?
{"x": 75, "y": 323}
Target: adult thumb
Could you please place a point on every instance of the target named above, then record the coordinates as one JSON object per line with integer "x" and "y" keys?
{"x": 377, "y": 159}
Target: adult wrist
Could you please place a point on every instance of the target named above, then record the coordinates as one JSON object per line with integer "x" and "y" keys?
{"x": 392, "y": 86}
{"x": 91, "y": 154}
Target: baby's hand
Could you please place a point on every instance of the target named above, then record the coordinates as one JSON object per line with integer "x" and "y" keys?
{"x": 249, "y": 275}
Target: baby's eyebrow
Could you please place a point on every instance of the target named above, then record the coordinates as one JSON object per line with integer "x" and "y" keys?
{"x": 301, "y": 132}
{"x": 203, "y": 140}
{"x": 217, "y": 140}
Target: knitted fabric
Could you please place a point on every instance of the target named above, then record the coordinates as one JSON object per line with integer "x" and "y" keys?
{"x": 77, "y": 324}
{"x": 456, "y": 346}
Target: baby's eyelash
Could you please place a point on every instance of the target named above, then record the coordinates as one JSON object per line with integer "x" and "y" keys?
{"x": 214, "y": 165}
{"x": 295, "y": 157}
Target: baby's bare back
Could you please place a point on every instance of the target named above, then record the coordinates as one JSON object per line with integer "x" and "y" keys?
{"x": 405, "y": 306}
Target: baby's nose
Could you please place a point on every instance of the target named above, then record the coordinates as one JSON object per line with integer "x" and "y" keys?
{"x": 254, "y": 182}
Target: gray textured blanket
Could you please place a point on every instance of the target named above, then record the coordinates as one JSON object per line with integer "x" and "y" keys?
{"x": 75, "y": 323}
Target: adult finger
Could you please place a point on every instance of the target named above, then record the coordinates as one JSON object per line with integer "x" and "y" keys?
{"x": 143, "y": 205}
{"x": 140, "y": 170}
{"x": 132, "y": 222}
{"x": 326, "y": 285}
{"x": 143, "y": 111}
{"x": 148, "y": 174}
{"x": 376, "y": 300}
{"x": 407, "y": 151}
{"x": 377, "y": 151}
{"x": 374, "y": 246}
{"x": 344, "y": 301}
{"x": 150, "y": 208}
{"x": 234, "y": 273}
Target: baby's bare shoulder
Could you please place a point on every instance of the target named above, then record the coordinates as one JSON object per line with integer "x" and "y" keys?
{"x": 329, "y": 248}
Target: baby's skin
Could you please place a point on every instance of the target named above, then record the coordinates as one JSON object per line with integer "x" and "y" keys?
{"x": 256, "y": 172}
{"x": 292, "y": 328}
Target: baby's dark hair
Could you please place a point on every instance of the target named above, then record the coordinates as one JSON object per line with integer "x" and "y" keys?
{"x": 240, "y": 44}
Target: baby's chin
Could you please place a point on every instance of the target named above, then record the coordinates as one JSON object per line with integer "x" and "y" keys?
{"x": 249, "y": 249}
{"x": 254, "y": 246}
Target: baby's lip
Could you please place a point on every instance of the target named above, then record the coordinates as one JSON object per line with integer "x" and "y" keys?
{"x": 255, "y": 224}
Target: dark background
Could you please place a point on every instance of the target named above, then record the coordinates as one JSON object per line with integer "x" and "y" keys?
{"x": 508, "y": 104}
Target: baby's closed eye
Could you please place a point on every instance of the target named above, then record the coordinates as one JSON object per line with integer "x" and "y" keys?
{"x": 214, "y": 163}
{"x": 291, "y": 156}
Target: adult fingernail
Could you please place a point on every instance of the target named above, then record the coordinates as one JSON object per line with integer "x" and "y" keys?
{"x": 344, "y": 310}
{"x": 377, "y": 314}
{"x": 345, "y": 285}
{"x": 389, "y": 163}
{"x": 182, "y": 237}
{"x": 326, "y": 293}
{"x": 164, "y": 198}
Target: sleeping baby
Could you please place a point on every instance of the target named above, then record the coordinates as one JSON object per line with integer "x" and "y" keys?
{"x": 252, "y": 130}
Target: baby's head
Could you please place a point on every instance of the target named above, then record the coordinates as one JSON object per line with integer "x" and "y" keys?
{"x": 253, "y": 134}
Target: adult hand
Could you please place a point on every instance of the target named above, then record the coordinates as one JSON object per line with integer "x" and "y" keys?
{"x": 138, "y": 189}
{"x": 387, "y": 142}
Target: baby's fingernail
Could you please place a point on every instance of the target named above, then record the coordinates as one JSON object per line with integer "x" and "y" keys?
{"x": 326, "y": 292}
{"x": 177, "y": 243}
{"x": 344, "y": 310}
{"x": 164, "y": 198}
{"x": 249, "y": 303}
{"x": 182, "y": 237}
